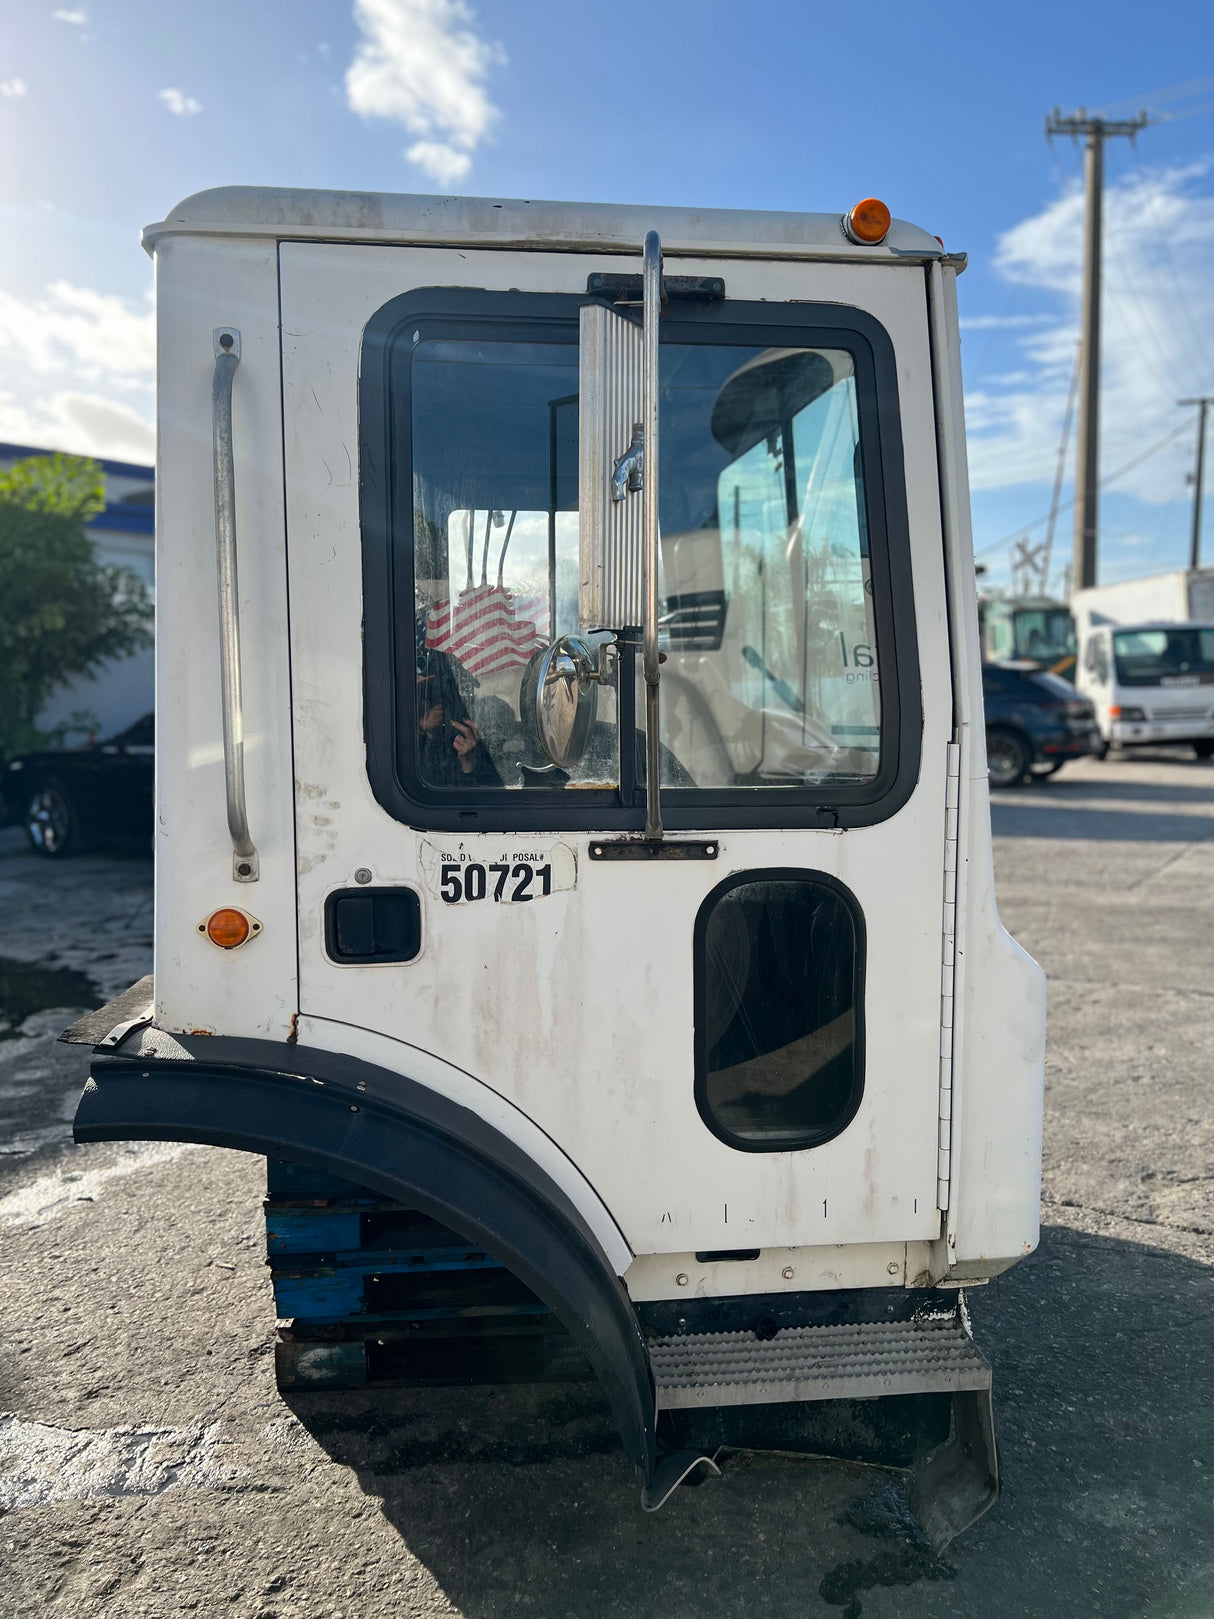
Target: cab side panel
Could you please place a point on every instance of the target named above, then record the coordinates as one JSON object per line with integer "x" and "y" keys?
{"x": 251, "y": 990}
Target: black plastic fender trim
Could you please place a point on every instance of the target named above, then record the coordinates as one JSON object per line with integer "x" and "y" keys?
{"x": 421, "y": 1147}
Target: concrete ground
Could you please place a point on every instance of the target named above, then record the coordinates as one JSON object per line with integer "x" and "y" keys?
{"x": 151, "y": 1468}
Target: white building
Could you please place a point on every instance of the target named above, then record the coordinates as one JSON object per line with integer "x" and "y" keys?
{"x": 124, "y": 536}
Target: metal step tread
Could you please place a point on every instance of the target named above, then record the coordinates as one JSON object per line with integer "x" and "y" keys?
{"x": 861, "y": 1361}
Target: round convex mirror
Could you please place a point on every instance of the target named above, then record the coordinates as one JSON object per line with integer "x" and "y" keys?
{"x": 566, "y": 700}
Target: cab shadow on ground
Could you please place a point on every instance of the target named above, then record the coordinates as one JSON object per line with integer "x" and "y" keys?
{"x": 1013, "y": 818}
{"x": 520, "y": 1502}
{"x": 1118, "y": 805}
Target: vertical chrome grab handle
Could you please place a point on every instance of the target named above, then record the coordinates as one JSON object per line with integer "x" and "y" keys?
{"x": 245, "y": 864}
{"x": 651, "y": 282}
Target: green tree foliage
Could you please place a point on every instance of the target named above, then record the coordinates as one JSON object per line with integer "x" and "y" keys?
{"x": 62, "y": 614}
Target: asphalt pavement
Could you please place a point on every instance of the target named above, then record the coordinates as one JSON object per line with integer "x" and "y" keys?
{"x": 150, "y": 1469}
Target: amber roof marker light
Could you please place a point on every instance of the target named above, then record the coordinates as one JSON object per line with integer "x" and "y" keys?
{"x": 868, "y": 223}
{"x": 229, "y": 927}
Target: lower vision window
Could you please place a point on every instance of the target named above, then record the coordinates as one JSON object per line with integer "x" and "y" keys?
{"x": 779, "y": 984}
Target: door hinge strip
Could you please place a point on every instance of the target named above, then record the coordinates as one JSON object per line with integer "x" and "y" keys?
{"x": 952, "y": 800}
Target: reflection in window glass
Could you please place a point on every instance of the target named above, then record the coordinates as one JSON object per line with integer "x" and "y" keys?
{"x": 771, "y": 678}
{"x": 495, "y": 527}
{"x": 772, "y": 675}
{"x": 779, "y": 1008}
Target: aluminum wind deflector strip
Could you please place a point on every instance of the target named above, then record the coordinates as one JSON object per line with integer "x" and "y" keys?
{"x": 611, "y": 592}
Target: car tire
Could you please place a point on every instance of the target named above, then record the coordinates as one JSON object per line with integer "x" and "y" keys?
{"x": 1007, "y": 757}
{"x": 52, "y": 822}
{"x": 1102, "y": 751}
{"x": 1204, "y": 747}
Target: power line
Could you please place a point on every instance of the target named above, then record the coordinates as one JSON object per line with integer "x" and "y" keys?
{"x": 1139, "y": 328}
{"x": 1026, "y": 528}
{"x": 1143, "y": 328}
{"x": 1161, "y": 236}
{"x": 1156, "y": 98}
{"x": 1060, "y": 469}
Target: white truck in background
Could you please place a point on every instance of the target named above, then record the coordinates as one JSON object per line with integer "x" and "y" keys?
{"x": 1146, "y": 659}
{"x": 1186, "y": 595}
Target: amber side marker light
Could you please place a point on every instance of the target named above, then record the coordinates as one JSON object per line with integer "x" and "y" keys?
{"x": 229, "y": 927}
{"x": 868, "y": 222}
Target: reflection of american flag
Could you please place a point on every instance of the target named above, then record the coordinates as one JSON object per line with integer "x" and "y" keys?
{"x": 488, "y": 629}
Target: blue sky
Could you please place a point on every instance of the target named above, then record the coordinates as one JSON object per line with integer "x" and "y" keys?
{"x": 111, "y": 110}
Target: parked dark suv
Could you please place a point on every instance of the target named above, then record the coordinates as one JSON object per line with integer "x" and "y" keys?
{"x": 70, "y": 798}
{"x": 1034, "y": 723}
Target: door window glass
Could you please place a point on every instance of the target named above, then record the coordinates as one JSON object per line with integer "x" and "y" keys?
{"x": 779, "y": 1003}
{"x": 1044, "y": 634}
{"x": 771, "y": 678}
{"x": 775, "y": 599}
{"x": 1164, "y": 657}
{"x": 495, "y": 558}
{"x": 1098, "y": 662}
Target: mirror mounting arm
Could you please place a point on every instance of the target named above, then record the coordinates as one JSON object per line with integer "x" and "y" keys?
{"x": 628, "y": 478}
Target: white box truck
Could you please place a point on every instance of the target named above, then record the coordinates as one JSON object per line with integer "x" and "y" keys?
{"x": 581, "y": 846}
{"x": 1177, "y": 597}
{"x": 1146, "y": 659}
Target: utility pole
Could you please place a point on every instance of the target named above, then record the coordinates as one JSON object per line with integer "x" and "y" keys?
{"x": 1096, "y": 131}
{"x": 1203, "y": 405}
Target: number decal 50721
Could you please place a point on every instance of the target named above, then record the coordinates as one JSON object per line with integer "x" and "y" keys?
{"x": 465, "y": 872}
{"x": 499, "y": 881}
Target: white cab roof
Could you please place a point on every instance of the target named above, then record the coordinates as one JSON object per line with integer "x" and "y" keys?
{"x": 374, "y": 216}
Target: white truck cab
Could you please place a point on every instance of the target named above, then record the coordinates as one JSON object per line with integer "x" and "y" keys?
{"x": 1150, "y": 682}
{"x": 572, "y": 816}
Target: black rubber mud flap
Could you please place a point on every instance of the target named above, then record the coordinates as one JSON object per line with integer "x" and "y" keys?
{"x": 959, "y": 1481}
{"x": 384, "y": 1131}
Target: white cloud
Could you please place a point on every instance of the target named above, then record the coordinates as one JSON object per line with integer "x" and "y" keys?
{"x": 83, "y": 424}
{"x": 179, "y": 103}
{"x": 76, "y": 372}
{"x": 13, "y": 89}
{"x": 77, "y": 16}
{"x": 441, "y": 162}
{"x": 1157, "y": 340}
{"x": 1001, "y": 323}
{"x": 92, "y": 335}
{"x": 420, "y": 64}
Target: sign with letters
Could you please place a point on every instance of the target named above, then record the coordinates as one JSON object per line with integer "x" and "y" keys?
{"x": 506, "y": 873}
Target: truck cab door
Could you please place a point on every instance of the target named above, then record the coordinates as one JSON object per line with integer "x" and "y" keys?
{"x": 739, "y": 1048}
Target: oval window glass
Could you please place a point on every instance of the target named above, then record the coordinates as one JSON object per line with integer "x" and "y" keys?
{"x": 779, "y": 1010}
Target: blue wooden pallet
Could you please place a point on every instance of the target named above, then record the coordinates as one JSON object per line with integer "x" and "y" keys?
{"x": 371, "y": 1292}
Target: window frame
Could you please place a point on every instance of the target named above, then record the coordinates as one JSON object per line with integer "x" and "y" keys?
{"x": 699, "y": 967}
{"x": 386, "y": 519}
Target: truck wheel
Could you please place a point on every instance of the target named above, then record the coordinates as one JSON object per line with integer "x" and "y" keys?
{"x": 1101, "y": 751}
{"x": 1007, "y": 758}
{"x": 1204, "y": 747}
{"x": 52, "y": 822}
